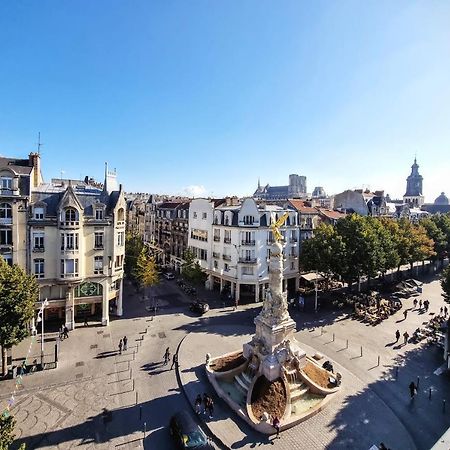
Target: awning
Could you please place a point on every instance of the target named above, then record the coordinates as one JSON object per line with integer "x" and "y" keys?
{"x": 311, "y": 277}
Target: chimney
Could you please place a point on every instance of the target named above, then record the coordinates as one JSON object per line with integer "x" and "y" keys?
{"x": 34, "y": 160}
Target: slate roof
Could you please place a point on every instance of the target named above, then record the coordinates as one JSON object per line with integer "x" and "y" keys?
{"x": 20, "y": 166}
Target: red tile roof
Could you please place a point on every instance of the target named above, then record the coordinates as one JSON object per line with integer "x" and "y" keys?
{"x": 300, "y": 206}
{"x": 331, "y": 214}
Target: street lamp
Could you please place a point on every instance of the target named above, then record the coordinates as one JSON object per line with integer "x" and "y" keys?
{"x": 41, "y": 319}
{"x": 315, "y": 297}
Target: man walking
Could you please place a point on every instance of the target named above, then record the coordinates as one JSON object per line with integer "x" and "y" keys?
{"x": 405, "y": 337}
{"x": 405, "y": 313}
{"x": 420, "y": 304}
{"x": 174, "y": 361}
{"x": 276, "y": 425}
{"x": 445, "y": 311}
{"x": 415, "y": 303}
{"x": 120, "y": 347}
{"x": 412, "y": 389}
{"x": 166, "y": 357}
{"x": 66, "y": 332}
{"x": 397, "y": 336}
{"x": 125, "y": 343}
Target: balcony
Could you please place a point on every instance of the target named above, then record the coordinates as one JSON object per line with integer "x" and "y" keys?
{"x": 6, "y": 221}
{"x": 70, "y": 224}
{"x": 227, "y": 240}
{"x": 249, "y": 243}
{"x": 216, "y": 255}
{"x": 248, "y": 260}
{"x": 293, "y": 240}
{"x": 216, "y": 238}
{"x": 98, "y": 247}
{"x": 70, "y": 275}
{"x": 226, "y": 257}
{"x": 269, "y": 242}
{"x": 39, "y": 249}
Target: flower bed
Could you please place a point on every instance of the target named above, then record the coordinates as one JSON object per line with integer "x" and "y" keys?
{"x": 227, "y": 363}
{"x": 318, "y": 375}
{"x": 268, "y": 396}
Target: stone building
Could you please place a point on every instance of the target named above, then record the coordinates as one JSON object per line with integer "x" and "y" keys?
{"x": 414, "y": 194}
{"x": 295, "y": 189}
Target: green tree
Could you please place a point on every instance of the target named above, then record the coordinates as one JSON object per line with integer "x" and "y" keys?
{"x": 445, "y": 284}
{"x": 191, "y": 269}
{"x": 133, "y": 248}
{"x": 18, "y": 294}
{"x": 443, "y": 223}
{"x": 387, "y": 230}
{"x": 439, "y": 238}
{"x": 145, "y": 271}
{"x": 7, "y": 424}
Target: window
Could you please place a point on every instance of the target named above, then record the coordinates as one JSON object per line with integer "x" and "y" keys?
{"x": 5, "y": 237}
{"x": 248, "y": 220}
{"x": 5, "y": 211}
{"x": 119, "y": 262}
{"x": 39, "y": 268}
{"x": 6, "y": 183}
{"x": 69, "y": 268}
{"x": 227, "y": 237}
{"x": 194, "y": 215}
{"x": 226, "y": 267}
{"x": 98, "y": 237}
{"x": 71, "y": 215}
{"x": 8, "y": 258}
{"x": 38, "y": 241}
{"x": 120, "y": 215}
{"x": 216, "y": 264}
{"x": 98, "y": 264}
{"x": 69, "y": 241}
{"x": 204, "y": 216}
{"x": 227, "y": 220}
{"x": 292, "y": 265}
{"x": 247, "y": 270}
{"x": 38, "y": 213}
{"x": 268, "y": 253}
{"x": 121, "y": 238}
{"x": 99, "y": 214}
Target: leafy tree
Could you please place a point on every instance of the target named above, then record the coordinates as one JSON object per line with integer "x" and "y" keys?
{"x": 133, "y": 248}
{"x": 323, "y": 253}
{"x": 387, "y": 230}
{"x": 422, "y": 246}
{"x": 442, "y": 221}
{"x": 191, "y": 269}
{"x": 18, "y": 294}
{"x": 145, "y": 271}
{"x": 445, "y": 283}
{"x": 437, "y": 235}
{"x": 7, "y": 424}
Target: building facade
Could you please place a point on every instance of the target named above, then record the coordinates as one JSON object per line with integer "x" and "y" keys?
{"x": 414, "y": 192}
{"x": 295, "y": 189}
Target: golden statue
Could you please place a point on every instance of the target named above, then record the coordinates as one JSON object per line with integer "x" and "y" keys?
{"x": 276, "y": 225}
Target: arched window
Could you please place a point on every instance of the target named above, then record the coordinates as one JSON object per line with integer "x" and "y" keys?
{"x": 70, "y": 215}
{"x": 120, "y": 215}
{"x": 5, "y": 211}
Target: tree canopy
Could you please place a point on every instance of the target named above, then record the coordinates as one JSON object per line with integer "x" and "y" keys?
{"x": 146, "y": 272}
{"x": 191, "y": 270}
{"x": 445, "y": 284}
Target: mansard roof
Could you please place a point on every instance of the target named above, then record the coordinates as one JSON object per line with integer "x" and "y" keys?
{"x": 19, "y": 166}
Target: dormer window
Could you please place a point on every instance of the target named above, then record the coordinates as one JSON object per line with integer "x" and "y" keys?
{"x": 6, "y": 183}
{"x": 70, "y": 215}
{"x": 248, "y": 220}
{"x": 99, "y": 214}
{"x": 38, "y": 213}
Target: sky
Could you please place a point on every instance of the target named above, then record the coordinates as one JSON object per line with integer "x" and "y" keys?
{"x": 203, "y": 97}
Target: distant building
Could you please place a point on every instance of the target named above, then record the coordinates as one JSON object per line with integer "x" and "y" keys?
{"x": 414, "y": 193}
{"x": 440, "y": 205}
{"x": 295, "y": 189}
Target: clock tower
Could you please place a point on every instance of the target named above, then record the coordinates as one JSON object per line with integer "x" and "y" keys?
{"x": 414, "y": 196}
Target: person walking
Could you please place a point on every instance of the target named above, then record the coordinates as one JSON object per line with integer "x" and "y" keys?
{"x": 276, "y": 425}
{"x": 66, "y": 332}
{"x": 125, "y": 343}
{"x": 420, "y": 304}
{"x": 445, "y": 311}
{"x": 405, "y": 337}
{"x": 405, "y": 313}
{"x": 415, "y": 303}
{"x": 205, "y": 402}
{"x": 198, "y": 404}
{"x": 441, "y": 311}
{"x": 120, "y": 347}
{"x": 174, "y": 361}
{"x": 426, "y": 303}
{"x": 86, "y": 320}
{"x": 61, "y": 333}
{"x": 166, "y": 357}
{"x": 412, "y": 390}
{"x": 397, "y": 336}
{"x": 210, "y": 407}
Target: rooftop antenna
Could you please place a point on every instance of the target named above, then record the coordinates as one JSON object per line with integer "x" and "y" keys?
{"x": 39, "y": 143}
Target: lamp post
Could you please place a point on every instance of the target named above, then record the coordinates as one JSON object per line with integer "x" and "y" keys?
{"x": 41, "y": 319}
{"x": 315, "y": 296}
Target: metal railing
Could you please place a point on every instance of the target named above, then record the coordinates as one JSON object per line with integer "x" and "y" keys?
{"x": 248, "y": 242}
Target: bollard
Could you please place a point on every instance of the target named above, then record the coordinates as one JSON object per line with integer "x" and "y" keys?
{"x": 396, "y": 373}
{"x": 346, "y": 346}
{"x": 361, "y": 351}
{"x": 378, "y": 361}
{"x": 418, "y": 381}
{"x": 140, "y": 412}
{"x": 443, "y": 406}
{"x": 429, "y": 394}
{"x": 333, "y": 337}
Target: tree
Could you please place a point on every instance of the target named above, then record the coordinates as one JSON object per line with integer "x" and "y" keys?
{"x": 133, "y": 248}
{"x": 7, "y": 424}
{"x": 18, "y": 294}
{"x": 422, "y": 247}
{"x": 443, "y": 223}
{"x": 191, "y": 269}
{"x": 437, "y": 235}
{"x": 388, "y": 237}
{"x": 145, "y": 271}
{"x": 445, "y": 284}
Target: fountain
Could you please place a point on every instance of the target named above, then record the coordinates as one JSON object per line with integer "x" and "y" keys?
{"x": 272, "y": 375}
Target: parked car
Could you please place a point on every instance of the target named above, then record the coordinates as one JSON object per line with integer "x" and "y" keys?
{"x": 169, "y": 276}
{"x": 186, "y": 433}
{"x": 199, "y": 307}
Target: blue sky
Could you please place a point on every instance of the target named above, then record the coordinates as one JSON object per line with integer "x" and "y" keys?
{"x": 206, "y": 96}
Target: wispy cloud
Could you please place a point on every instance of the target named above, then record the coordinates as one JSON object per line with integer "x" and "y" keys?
{"x": 194, "y": 190}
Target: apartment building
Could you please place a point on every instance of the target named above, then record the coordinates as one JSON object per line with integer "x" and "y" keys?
{"x": 232, "y": 243}
{"x": 69, "y": 234}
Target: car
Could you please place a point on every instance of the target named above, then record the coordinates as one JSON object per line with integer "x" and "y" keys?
{"x": 169, "y": 276}
{"x": 186, "y": 432}
{"x": 199, "y": 307}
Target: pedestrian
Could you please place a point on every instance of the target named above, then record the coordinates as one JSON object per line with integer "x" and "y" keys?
{"x": 405, "y": 337}
{"x": 174, "y": 361}
{"x": 120, "y": 347}
{"x": 420, "y": 304}
{"x": 415, "y": 303}
{"x": 86, "y": 321}
{"x": 235, "y": 304}
{"x": 441, "y": 311}
{"x": 205, "y": 402}
{"x": 426, "y": 303}
{"x": 276, "y": 425}
{"x": 61, "y": 333}
{"x": 66, "y": 332}
{"x": 125, "y": 343}
{"x": 445, "y": 311}
{"x": 166, "y": 356}
{"x": 210, "y": 407}
{"x": 412, "y": 389}
{"x": 405, "y": 313}
{"x": 397, "y": 335}
{"x": 198, "y": 403}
